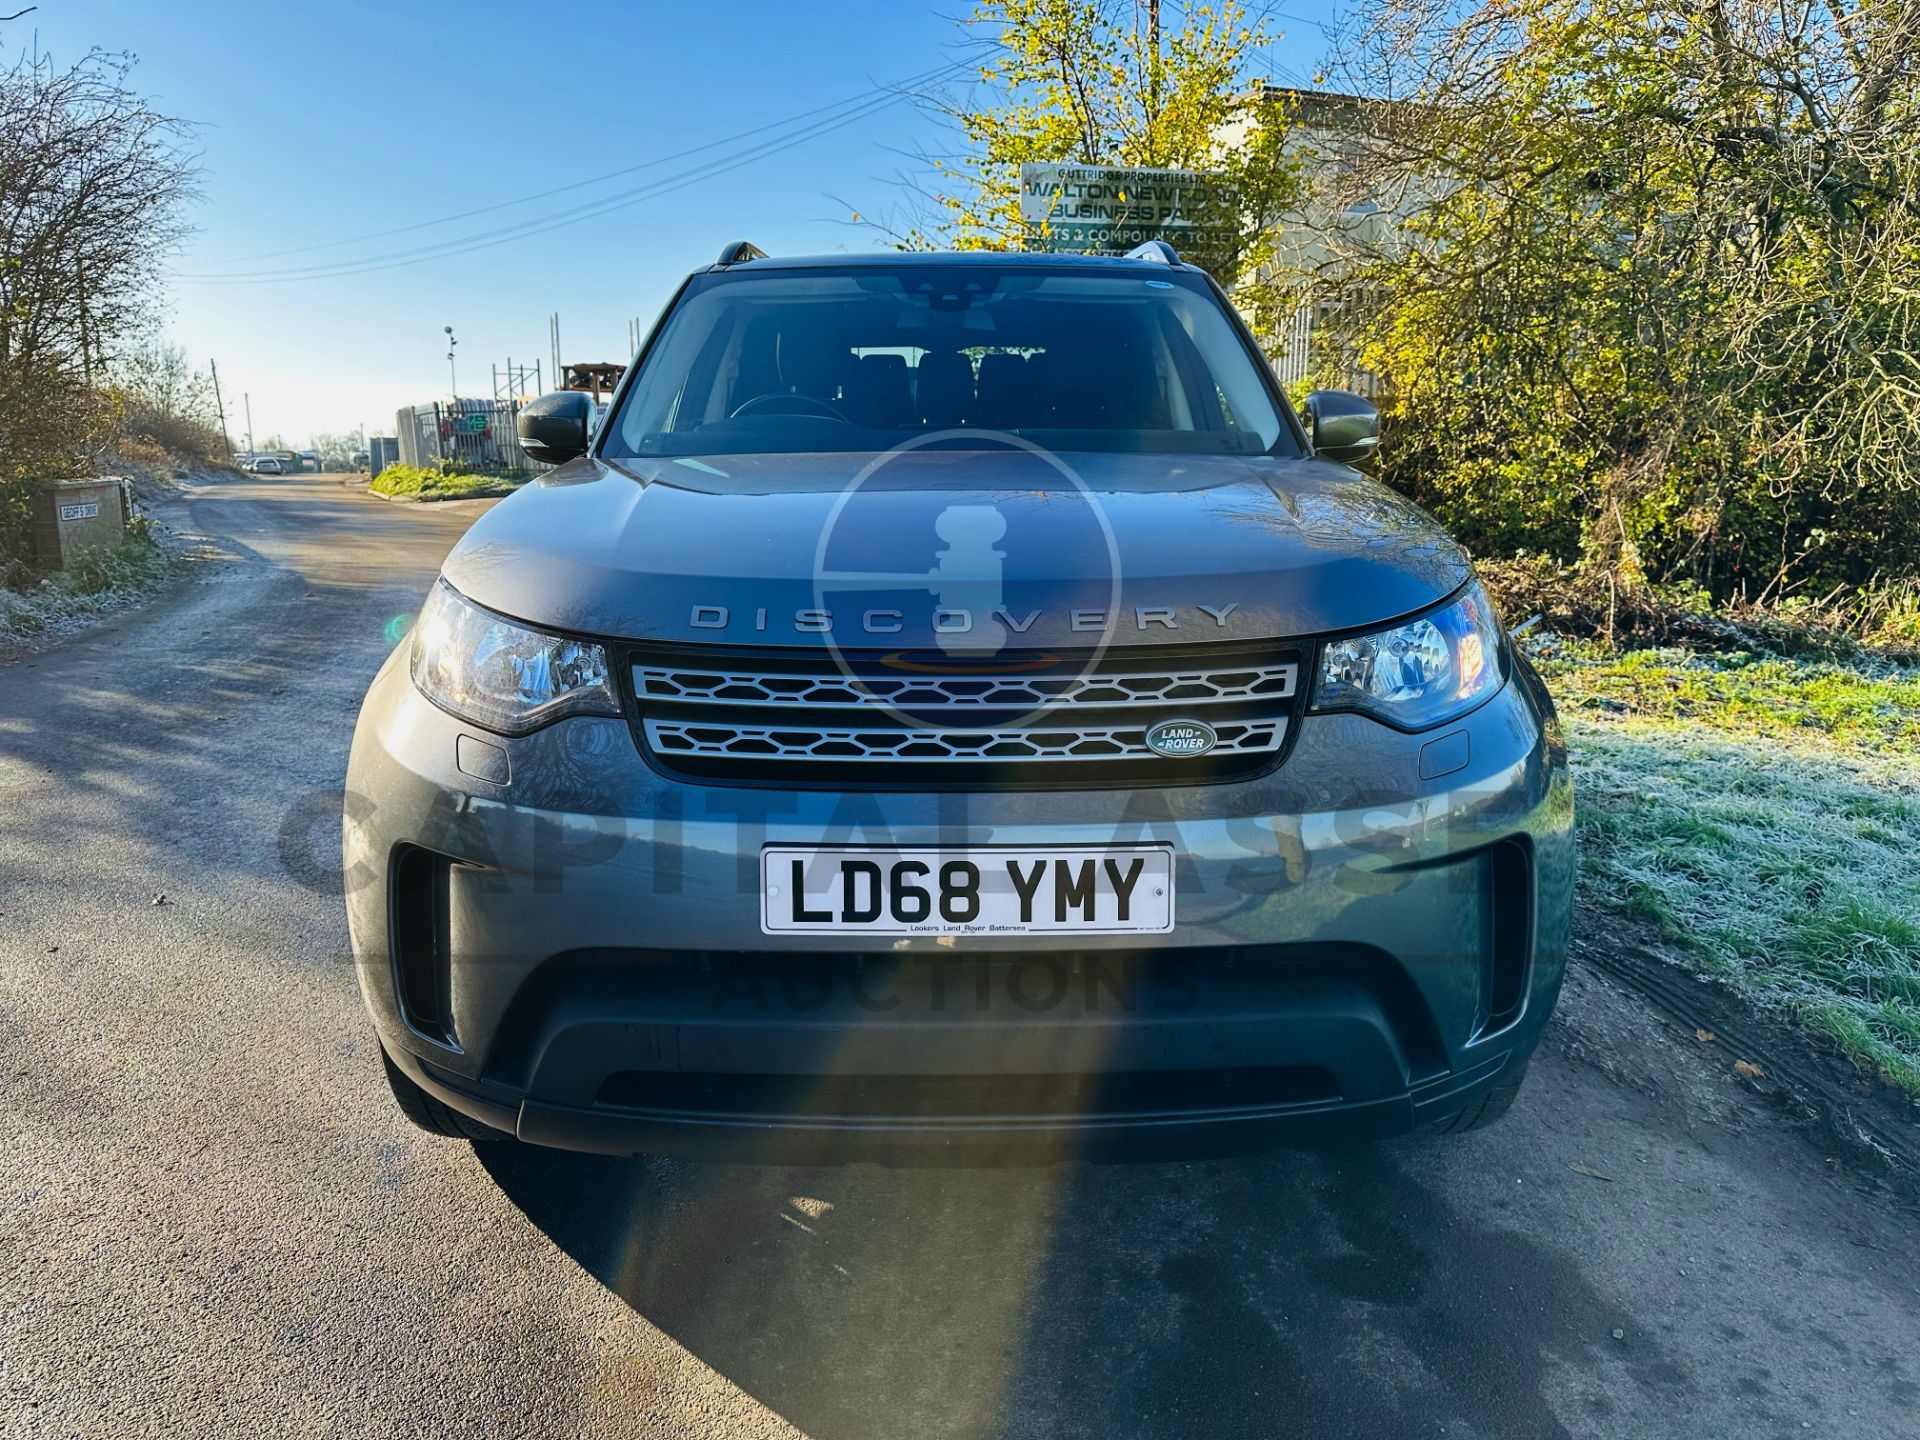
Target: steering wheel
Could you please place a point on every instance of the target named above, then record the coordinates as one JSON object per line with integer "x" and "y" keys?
{"x": 780, "y": 403}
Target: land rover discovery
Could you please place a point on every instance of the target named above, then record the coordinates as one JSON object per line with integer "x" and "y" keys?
{"x": 955, "y": 706}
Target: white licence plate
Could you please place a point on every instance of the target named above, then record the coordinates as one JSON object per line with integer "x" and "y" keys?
{"x": 992, "y": 890}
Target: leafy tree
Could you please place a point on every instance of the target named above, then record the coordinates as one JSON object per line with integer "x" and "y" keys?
{"x": 92, "y": 184}
{"x": 337, "y": 449}
{"x": 163, "y": 400}
{"x": 1664, "y": 311}
{"x": 1099, "y": 82}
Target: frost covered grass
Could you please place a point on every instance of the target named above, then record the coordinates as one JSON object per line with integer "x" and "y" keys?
{"x": 1861, "y": 704}
{"x": 1764, "y": 813}
{"x": 93, "y": 586}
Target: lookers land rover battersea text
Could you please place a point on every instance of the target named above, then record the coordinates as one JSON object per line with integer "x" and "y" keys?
{"x": 953, "y": 707}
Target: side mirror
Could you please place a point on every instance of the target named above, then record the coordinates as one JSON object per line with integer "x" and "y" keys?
{"x": 555, "y": 427}
{"x": 1342, "y": 425}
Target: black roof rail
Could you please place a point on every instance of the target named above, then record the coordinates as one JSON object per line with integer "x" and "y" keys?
{"x": 1158, "y": 251}
{"x": 741, "y": 250}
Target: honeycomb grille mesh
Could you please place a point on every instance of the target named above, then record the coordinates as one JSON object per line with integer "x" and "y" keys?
{"x": 1050, "y": 743}
{"x": 1021, "y": 719}
{"x": 1187, "y": 687}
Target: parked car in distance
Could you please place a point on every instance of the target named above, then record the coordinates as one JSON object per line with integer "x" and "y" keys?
{"x": 268, "y": 465}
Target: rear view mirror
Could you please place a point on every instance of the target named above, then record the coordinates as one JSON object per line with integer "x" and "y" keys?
{"x": 1343, "y": 426}
{"x": 554, "y": 428}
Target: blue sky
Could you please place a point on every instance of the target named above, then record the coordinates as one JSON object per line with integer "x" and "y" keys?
{"x": 321, "y": 123}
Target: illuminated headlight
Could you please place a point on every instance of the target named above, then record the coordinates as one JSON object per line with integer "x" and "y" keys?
{"x": 1421, "y": 673}
{"x": 501, "y": 675}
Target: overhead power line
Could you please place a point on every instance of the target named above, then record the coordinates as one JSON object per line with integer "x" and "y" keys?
{"x": 925, "y": 77}
{"x": 813, "y": 123}
{"x": 542, "y": 224}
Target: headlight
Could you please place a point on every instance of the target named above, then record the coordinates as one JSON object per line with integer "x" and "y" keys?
{"x": 1421, "y": 673}
{"x": 501, "y": 675}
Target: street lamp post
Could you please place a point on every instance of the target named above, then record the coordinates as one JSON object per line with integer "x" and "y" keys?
{"x": 452, "y": 382}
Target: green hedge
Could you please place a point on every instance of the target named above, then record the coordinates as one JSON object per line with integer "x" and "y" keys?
{"x": 431, "y": 484}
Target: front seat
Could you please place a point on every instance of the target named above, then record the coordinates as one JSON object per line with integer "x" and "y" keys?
{"x": 812, "y": 363}
{"x": 945, "y": 388}
{"x": 877, "y": 392}
{"x": 1005, "y": 401}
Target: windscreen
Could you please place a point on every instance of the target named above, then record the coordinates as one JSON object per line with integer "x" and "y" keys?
{"x": 866, "y": 358}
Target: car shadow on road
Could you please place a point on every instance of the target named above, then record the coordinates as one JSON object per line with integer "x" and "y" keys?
{"x": 1308, "y": 1293}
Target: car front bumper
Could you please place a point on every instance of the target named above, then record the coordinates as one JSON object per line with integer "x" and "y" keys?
{"x": 558, "y": 940}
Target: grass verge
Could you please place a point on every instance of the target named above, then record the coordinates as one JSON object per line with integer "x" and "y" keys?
{"x": 92, "y": 587}
{"x": 421, "y": 484}
{"x": 1764, "y": 813}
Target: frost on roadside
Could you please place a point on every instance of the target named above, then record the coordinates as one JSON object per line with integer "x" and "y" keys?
{"x": 1772, "y": 838}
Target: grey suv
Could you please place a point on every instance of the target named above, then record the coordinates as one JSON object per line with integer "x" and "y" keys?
{"x": 952, "y": 705}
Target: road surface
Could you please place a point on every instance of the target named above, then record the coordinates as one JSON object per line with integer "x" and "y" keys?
{"x": 216, "y": 1222}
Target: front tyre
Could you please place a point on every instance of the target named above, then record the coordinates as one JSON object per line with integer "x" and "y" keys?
{"x": 429, "y": 1112}
{"x": 1482, "y": 1112}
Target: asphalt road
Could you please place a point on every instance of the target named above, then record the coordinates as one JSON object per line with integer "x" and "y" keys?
{"x": 216, "y": 1222}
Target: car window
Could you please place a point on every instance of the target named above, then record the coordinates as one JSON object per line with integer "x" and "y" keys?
{"x": 863, "y": 359}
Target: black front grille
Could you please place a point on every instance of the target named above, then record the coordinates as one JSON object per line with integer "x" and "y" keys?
{"x": 1022, "y": 719}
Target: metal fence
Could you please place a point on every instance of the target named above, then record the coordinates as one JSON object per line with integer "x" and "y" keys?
{"x": 1293, "y": 347}
{"x": 475, "y": 435}
{"x": 1312, "y": 343}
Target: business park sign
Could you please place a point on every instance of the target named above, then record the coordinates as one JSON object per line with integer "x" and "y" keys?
{"x": 1108, "y": 210}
